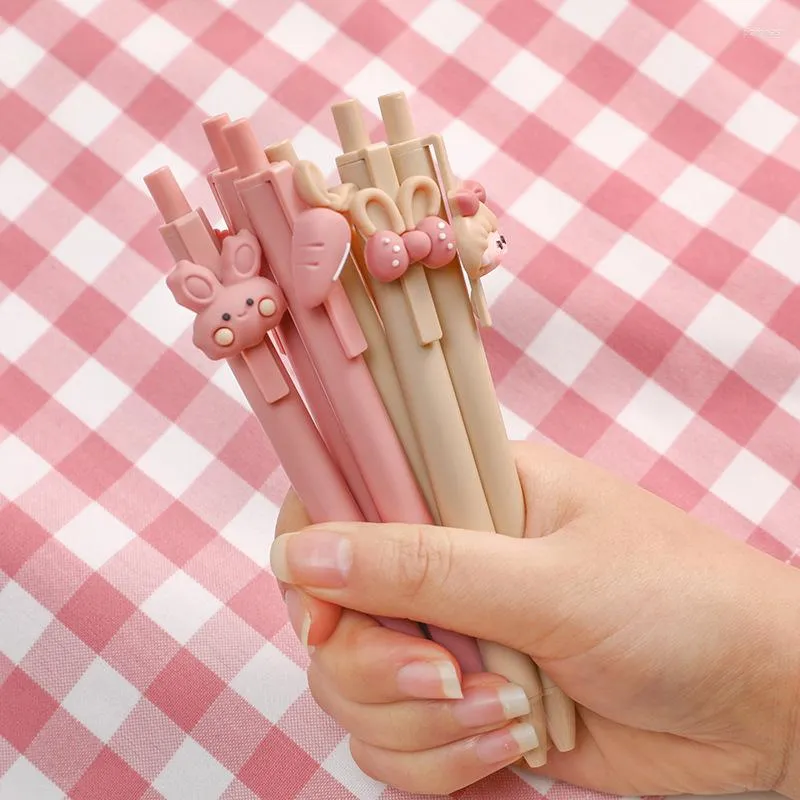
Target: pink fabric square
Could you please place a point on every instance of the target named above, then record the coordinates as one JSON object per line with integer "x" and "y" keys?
{"x": 20, "y": 120}
{"x": 90, "y": 320}
{"x": 520, "y": 20}
{"x": 222, "y": 568}
{"x": 228, "y": 37}
{"x": 687, "y": 131}
{"x": 109, "y": 776}
{"x": 774, "y": 183}
{"x": 52, "y": 558}
{"x": 185, "y": 689}
{"x": 777, "y": 443}
{"x": 178, "y": 534}
{"x": 20, "y": 537}
{"x": 231, "y": 730}
{"x": 711, "y": 258}
{"x": 622, "y": 453}
{"x": 621, "y": 200}
{"x": 260, "y": 605}
{"x": 575, "y": 424}
{"x": 601, "y": 73}
{"x": 83, "y": 48}
{"x": 373, "y": 25}
{"x": 25, "y": 708}
{"x": 141, "y": 665}
{"x": 170, "y": 385}
{"x": 253, "y": 464}
{"x": 690, "y": 373}
{"x": 554, "y": 274}
{"x": 750, "y": 59}
{"x": 46, "y": 663}
{"x": 278, "y": 767}
{"x": 703, "y": 451}
{"x": 22, "y": 398}
{"x": 767, "y": 543}
{"x": 535, "y": 144}
{"x": 667, "y": 13}
{"x": 225, "y": 644}
{"x": 64, "y": 749}
{"x": 784, "y": 323}
{"x": 94, "y": 466}
{"x": 736, "y": 408}
{"x": 644, "y": 338}
{"x": 147, "y": 739}
{"x": 673, "y": 484}
{"x": 305, "y": 92}
{"x": 86, "y": 180}
{"x": 453, "y": 86}
{"x": 96, "y": 612}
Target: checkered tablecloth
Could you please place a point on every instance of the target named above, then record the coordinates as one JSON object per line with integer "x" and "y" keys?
{"x": 646, "y": 159}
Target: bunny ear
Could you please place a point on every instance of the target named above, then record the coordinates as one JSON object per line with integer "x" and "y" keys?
{"x": 309, "y": 183}
{"x": 241, "y": 257}
{"x": 419, "y": 197}
{"x": 193, "y": 286}
{"x": 476, "y": 188}
{"x": 372, "y": 210}
{"x": 464, "y": 203}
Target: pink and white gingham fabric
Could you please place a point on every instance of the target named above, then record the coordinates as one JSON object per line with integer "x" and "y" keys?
{"x": 646, "y": 158}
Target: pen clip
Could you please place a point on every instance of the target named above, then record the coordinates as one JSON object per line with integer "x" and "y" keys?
{"x": 480, "y": 306}
{"x": 266, "y": 373}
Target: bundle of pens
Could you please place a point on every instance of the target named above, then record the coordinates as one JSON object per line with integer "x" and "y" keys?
{"x": 370, "y": 291}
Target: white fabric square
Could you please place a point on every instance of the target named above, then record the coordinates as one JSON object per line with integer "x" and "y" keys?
{"x": 155, "y": 43}
{"x": 545, "y": 209}
{"x": 233, "y": 94}
{"x": 446, "y": 24}
{"x": 341, "y": 765}
{"x": 527, "y": 80}
{"x": 467, "y": 150}
{"x": 23, "y": 619}
{"x": 564, "y": 347}
{"x": 675, "y": 64}
{"x": 762, "y": 123}
{"x": 20, "y": 468}
{"x": 780, "y": 247}
{"x": 92, "y": 393}
{"x": 181, "y": 606}
{"x": 19, "y": 56}
{"x": 655, "y": 416}
{"x": 724, "y": 329}
{"x": 84, "y": 113}
{"x": 632, "y": 266}
{"x": 95, "y": 535}
{"x": 611, "y": 138}
{"x": 21, "y": 187}
{"x": 591, "y": 17}
{"x": 23, "y": 781}
{"x": 377, "y": 78}
{"x": 175, "y": 461}
{"x": 697, "y": 194}
{"x": 301, "y": 32}
{"x": 88, "y": 249}
{"x": 750, "y": 486}
{"x": 790, "y": 402}
{"x": 246, "y": 530}
{"x": 22, "y": 326}
{"x": 102, "y": 699}
{"x": 274, "y": 697}
{"x": 193, "y": 773}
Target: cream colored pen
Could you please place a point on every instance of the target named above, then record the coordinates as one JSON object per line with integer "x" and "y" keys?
{"x": 414, "y": 336}
{"x": 469, "y": 372}
{"x": 309, "y": 183}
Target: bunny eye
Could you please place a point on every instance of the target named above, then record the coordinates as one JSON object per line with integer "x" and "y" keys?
{"x": 226, "y": 316}
{"x": 250, "y": 301}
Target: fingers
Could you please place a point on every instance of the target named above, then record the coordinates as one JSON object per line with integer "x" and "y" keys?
{"x": 414, "y": 725}
{"x": 313, "y": 620}
{"x": 445, "y": 769}
{"x": 464, "y": 581}
{"x": 367, "y": 663}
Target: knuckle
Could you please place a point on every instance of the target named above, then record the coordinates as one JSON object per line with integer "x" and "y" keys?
{"x": 419, "y": 559}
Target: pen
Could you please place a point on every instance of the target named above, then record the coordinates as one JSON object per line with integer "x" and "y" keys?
{"x": 415, "y": 156}
{"x": 222, "y": 181}
{"x": 258, "y": 369}
{"x": 414, "y": 335}
{"x": 310, "y": 185}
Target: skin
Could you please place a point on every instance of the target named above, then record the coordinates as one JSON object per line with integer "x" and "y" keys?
{"x": 679, "y": 644}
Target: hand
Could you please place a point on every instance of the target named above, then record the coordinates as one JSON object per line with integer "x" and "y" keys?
{"x": 680, "y": 645}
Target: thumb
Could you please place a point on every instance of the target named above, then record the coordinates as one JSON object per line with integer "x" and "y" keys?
{"x": 484, "y": 585}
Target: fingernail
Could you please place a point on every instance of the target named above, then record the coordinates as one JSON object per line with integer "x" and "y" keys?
{"x": 490, "y": 706}
{"x": 298, "y": 616}
{"x": 312, "y": 558}
{"x": 429, "y": 680}
{"x": 500, "y": 747}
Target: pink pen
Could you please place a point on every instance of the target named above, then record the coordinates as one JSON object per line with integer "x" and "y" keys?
{"x": 331, "y": 332}
{"x": 222, "y": 182}
{"x": 205, "y": 281}
{"x": 217, "y": 284}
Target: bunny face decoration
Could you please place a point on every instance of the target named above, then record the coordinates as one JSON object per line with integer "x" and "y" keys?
{"x": 235, "y": 310}
{"x": 480, "y": 244}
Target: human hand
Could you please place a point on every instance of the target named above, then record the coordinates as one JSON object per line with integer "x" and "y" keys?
{"x": 679, "y": 644}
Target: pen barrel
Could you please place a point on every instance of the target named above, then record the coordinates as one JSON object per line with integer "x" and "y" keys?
{"x": 347, "y": 381}
{"x": 302, "y": 453}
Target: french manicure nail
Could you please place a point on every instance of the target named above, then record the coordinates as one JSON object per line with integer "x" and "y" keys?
{"x": 429, "y": 680}
{"x": 312, "y": 558}
{"x": 491, "y": 706}
{"x": 500, "y": 747}
{"x": 298, "y": 616}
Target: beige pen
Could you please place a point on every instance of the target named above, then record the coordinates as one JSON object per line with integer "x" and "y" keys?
{"x": 414, "y": 337}
{"x": 469, "y": 371}
{"x": 309, "y": 182}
